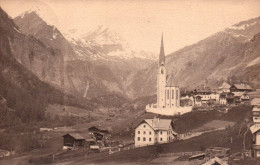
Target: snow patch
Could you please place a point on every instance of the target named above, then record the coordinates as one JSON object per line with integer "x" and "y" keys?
{"x": 242, "y": 27}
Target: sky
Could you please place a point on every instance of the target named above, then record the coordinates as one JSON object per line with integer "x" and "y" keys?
{"x": 141, "y": 22}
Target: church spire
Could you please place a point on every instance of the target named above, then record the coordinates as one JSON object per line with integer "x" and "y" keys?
{"x": 162, "y": 56}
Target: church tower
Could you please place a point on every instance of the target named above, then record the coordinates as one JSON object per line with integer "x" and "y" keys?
{"x": 161, "y": 78}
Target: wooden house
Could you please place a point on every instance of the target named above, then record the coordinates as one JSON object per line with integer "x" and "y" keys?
{"x": 239, "y": 89}
{"x": 73, "y": 141}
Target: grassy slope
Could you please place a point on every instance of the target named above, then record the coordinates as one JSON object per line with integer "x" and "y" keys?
{"x": 217, "y": 138}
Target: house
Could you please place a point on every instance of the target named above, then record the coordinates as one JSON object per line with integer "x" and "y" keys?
{"x": 73, "y": 141}
{"x": 225, "y": 87}
{"x": 197, "y": 101}
{"x": 226, "y": 98}
{"x": 255, "y": 102}
{"x": 100, "y": 134}
{"x": 206, "y": 94}
{"x": 256, "y": 114}
{"x": 245, "y": 98}
{"x": 153, "y": 131}
{"x": 239, "y": 89}
{"x": 255, "y": 130}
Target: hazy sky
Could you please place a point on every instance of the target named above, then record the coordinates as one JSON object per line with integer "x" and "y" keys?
{"x": 141, "y": 22}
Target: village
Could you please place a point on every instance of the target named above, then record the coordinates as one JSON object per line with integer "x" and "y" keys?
{"x": 165, "y": 123}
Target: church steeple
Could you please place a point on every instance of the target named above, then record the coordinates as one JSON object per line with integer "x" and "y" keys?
{"x": 162, "y": 55}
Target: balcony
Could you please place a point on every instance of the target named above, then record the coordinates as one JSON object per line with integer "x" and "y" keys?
{"x": 256, "y": 147}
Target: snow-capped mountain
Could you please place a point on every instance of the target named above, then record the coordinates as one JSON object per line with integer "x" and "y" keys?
{"x": 245, "y": 30}
{"x": 102, "y": 43}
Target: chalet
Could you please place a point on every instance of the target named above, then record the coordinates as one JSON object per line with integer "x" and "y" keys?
{"x": 239, "y": 89}
{"x": 256, "y": 114}
{"x": 100, "y": 134}
{"x": 226, "y": 98}
{"x": 245, "y": 98}
{"x": 255, "y": 102}
{"x": 255, "y": 130}
{"x": 197, "y": 100}
{"x": 225, "y": 87}
{"x": 73, "y": 141}
{"x": 206, "y": 94}
{"x": 152, "y": 131}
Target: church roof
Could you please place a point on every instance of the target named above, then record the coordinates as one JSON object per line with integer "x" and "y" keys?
{"x": 243, "y": 86}
{"x": 162, "y": 55}
{"x": 170, "y": 81}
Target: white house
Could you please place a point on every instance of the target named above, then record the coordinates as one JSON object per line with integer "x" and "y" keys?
{"x": 152, "y": 131}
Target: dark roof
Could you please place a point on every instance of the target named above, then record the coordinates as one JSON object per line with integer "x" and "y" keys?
{"x": 162, "y": 55}
{"x": 203, "y": 89}
{"x": 243, "y": 86}
{"x": 75, "y": 136}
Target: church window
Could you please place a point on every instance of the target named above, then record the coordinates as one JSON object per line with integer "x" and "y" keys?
{"x": 176, "y": 94}
{"x": 168, "y": 94}
{"x": 162, "y": 71}
{"x": 173, "y": 94}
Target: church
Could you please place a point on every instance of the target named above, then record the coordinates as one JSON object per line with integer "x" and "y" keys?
{"x": 168, "y": 94}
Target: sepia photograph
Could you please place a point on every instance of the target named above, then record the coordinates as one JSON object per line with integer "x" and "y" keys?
{"x": 129, "y": 82}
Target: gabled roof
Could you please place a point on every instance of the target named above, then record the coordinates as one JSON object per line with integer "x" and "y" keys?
{"x": 159, "y": 124}
{"x": 256, "y": 102}
{"x": 215, "y": 161}
{"x": 75, "y": 136}
{"x": 225, "y": 85}
{"x": 256, "y": 109}
{"x": 170, "y": 81}
{"x": 243, "y": 86}
{"x": 254, "y": 128}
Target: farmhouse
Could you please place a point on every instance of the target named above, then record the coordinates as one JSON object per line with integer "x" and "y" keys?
{"x": 239, "y": 89}
{"x": 152, "y": 131}
{"x": 226, "y": 98}
{"x": 73, "y": 141}
{"x": 100, "y": 134}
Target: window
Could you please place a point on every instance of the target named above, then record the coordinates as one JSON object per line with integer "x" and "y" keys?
{"x": 161, "y": 132}
{"x": 138, "y": 138}
{"x": 150, "y": 139}
{"x": 144, "y": 139}
{"x": 173, "y": 94}
{"x": 144, "y": 132}
{"x": 162, "y": 71}
{"x": 168, "y": 94}
{"x": 177, "y": 94}
{"x": 150, "y": 133}
{"x": 138, "y": 132}
{"x": 144, "y": 125}
{"x": 161, "y": 139}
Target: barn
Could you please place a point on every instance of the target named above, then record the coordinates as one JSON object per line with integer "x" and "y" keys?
{"x": 73, "y": 141}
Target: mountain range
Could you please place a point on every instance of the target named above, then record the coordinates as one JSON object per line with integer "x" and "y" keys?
{"x": 101, "y": 61}
{"x": 230, "y": 55}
